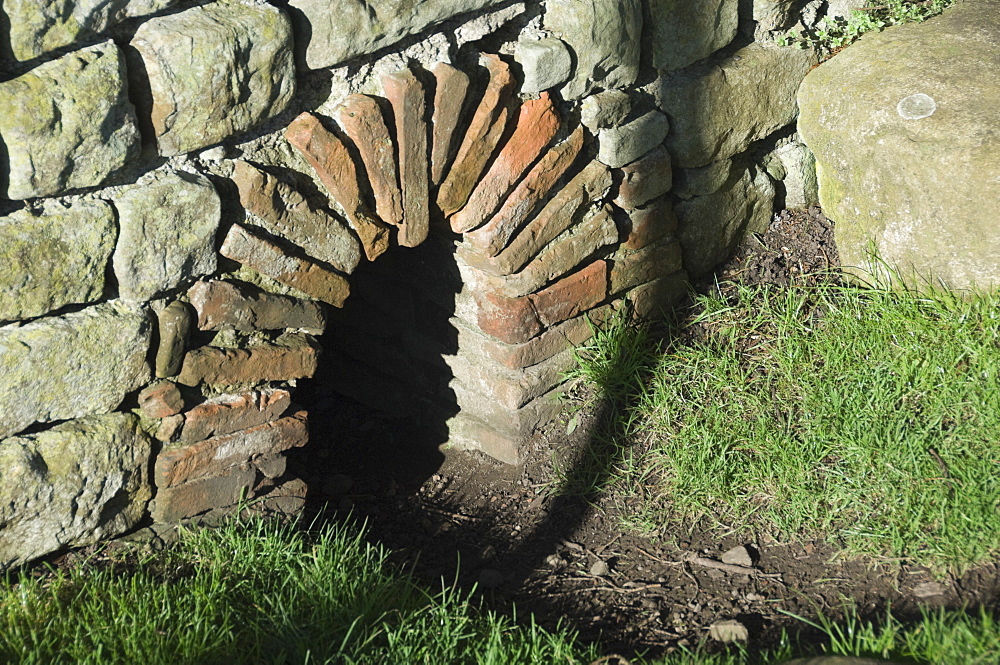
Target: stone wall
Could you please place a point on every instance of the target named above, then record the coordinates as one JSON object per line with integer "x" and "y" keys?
{"x": 191, "y": 193}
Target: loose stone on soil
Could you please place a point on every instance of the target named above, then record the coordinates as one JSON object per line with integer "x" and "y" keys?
{"x": 738, "y": 556}
{"x": 729, "y": 630}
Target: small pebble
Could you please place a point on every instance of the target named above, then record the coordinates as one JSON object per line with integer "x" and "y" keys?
{"x": 729, "y": 630}
{"x": 600, "y": 569}
{"x": 738, "y": 556}
{"x": 928, "y": 590}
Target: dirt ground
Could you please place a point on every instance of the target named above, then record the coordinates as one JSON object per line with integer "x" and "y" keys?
{"x": 465, "y": 517}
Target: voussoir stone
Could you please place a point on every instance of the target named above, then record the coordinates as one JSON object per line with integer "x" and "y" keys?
{"x": 67, "y": 124}
{"x": 328, "y": 33}
{"x": 80, "y": 364}
{"x": 683, "y": 32}
{"x": 214, "y": 71}
{"x": 604, "y": 36}
{"x": 917, "y": 174}
{"x": 717, "y": 109}
{"x": 40, "y": 26}
{"x": 54, "y": 256}
{"x": 168, "y": 224}
{"x": 76, "y": 484}
{"x": 245, "y": 307}
{"x": 628, "y": 142}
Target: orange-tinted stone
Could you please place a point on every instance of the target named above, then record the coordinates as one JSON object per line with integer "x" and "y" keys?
{"x": 243, "y": 307}
{"x": 362, "y": 120}
{"x": 161, "y": 400}
{"x": 572, "y": 295}
{"x": 332, "y": 162}
{"x": 230, "y": 413}
{"x": 511, "y": 320}
{"x": 452, "y": 85}
{"x": 537, "y": 123}
{"x": 481, "y": 138}
{"x": 291, "y": 356}
{"x": 651, "y": 224}
{"x": 409, "y": 106}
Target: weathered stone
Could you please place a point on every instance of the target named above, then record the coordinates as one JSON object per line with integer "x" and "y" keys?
{"x": 244, "y": 307}
{"x": 271, "y": 466}
{"x": 40, "y": 26}
{"x": 67, "y": 124}
{"x": 510, "y": 320}
{"x": 409, "y": 107}
{"x": 214, "y": 71}
{"x": 604, "y": 35}
{"x": 451, "y": 87}
{"x": 362, "y": 121}
{"x": 160, "y": 400}
{"x": 76, "y": 484}
{"x": 181, "y": 464}
{"x": 63, "y": 367}
{"x": 511, "y": 388}
{"x": 328, "y": 35}
{"x": 717, "y": 109}
{"x": 729, "y": 630}
{"x": 288, "y": 498}
{"x": 683, "y": 32}
{"x": 271, "y": 260}
{"x": 169, "y": 428}
{"x": 175, "y": 323}
{"x": 332, "y": 162}
{"x": 605, "y": 109}
{"x": 513, "y": 423}
{"x": 283, "y": 211}
{"x": 653, "y": 223}
{"x": 654, "y": 300}
{"x": 527, "y": 197}
{"x": 710, "y": 227}
{"x": 168, "y": 224}
{"x": 53, "y": 257}
{"x": 536, "y": 126}
{"x": 768, "y": 17}
{"x": 545, "y": 62}
{"x": 572, "y": 294}
{"x": 645, "y": 179}
{"x": 230, "y": 413}
{"x": 174, "y": 504}
{"x": 704, "y": 180}
{"x": 468, "y": 433}
{"x": 915, "y": 179}
{"x": 632, "y": 268}
{"x": 798, "y": 175}
{"x": 481, "y": 137}
{"x": 291, "y": 356}
{"x": 626, "y": 143}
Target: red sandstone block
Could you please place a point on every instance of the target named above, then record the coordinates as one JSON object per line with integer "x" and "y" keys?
{"x": 213, "y": 457}
{"x": 527, "y": 197}
{"x": 449, "y": 98}
{"x": 335, "y": 167}
{"x": 645, "y": 179}
{"x": 511, "y": 320}
{"x": 480, "y": 139}
{"x": 537, "y": 123}
{"x": 654, "y": 223}
{"x": 242, "y": 307}
{"x": 291, "y": 356}
{"x": 409, "y": 106}
{"x": 230, "y": 413}
{"x": 161, "y": 400}
{"x": 572, "y": 295}
{"x": 362, "y": 120}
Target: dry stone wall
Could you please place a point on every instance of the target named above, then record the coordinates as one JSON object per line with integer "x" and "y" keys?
{"x": 191, "y": 193}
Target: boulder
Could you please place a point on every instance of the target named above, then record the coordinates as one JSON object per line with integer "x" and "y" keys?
{"x": 683, "y": 32}
{"x": 904, "y": 128}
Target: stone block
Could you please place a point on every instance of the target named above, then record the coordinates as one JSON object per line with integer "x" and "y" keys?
{"x": 604, "y": 35}
{"x": 245, "y": 307}
{"x": 161, "y": 400}
{"x": 182, "y": 464}
{"x": 174, "y": 327}
{"x": 605, "y": 109}
{"x": 174, "y": 504}
{"x": 273, "y": 261}
{"x": 361, "y": 118}
{"x": 645, "y": 179}
{"x": 628, "y": 142}
{"x": 717, "y": 109}
{"x": 632, "y": 268}
{"x": 214, "y": 71}
{"x": 168, "y": 222}
{"x": 546, "y": 63}
{"x": 451, "y": 87}
{"x": 282, "y": 211}
{"x": 76, "y": 484}
{"x": 468, "y": 433}
{"x": 54, "y": 256}
{"x": 511, "y": 388}
{"x": 288, "y": 498}
{"x": 653, "y": 223}
{"x": 409, "y": 108}
{"x": 510, "y": 320}
{"x": 683, "y": 32}
{"x": 705, "y": 180}
{"x": 513, "y": 423}
{"x": 535, "y": 126}
{"x": 572, "y": 295}
{"x": 654, "y": 300}
{"x": 291, "y": 356}
{"x": 67, "y": 124}
{"x": 64, "y": 367}
{"x": 226, "y": 414}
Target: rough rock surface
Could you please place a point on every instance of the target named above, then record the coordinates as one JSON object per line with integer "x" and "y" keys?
{"x": 628, "y": 142}
{"x": 683, "y": 32}
{"x": 168, "y": 225}
{"x": 75, "y": 484}
{"x": 214, "y": 71}
{"x": 918, "y": 174}
{"x": 53, "y": 257}
{"x": 546, "y": 64}
{"x": 67, "y": 124}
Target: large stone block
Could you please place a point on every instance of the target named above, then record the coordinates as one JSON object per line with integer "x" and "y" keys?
{"x": 717, "y": 109}
{"x": 604, "y": 37}
{"x": 66, "y": 124}
{"x": 904, "y": 128}
{"x": 628, "y": 142}
{"x": 168, "y": 225}
{"x": 226, "y": 414}
{"x": 291, "y": 356}
{"x": 330, "y": 32}
{"x": 76, "y": 484}
{"x": 40, "y": 26}
{"x": 70, "y": 366}
{"x": 214, "y": 71}
{"x": 683, "y": 32}
{"x": 53, "y": 257}
{"x": 244, "y": 307}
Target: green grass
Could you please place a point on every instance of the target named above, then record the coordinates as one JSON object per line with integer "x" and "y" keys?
{"x": 835, "y": 33}
{"x": 869, "y": 416}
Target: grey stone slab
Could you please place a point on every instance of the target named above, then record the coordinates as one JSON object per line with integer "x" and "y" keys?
{"x": 628, "y": 142}
{"x": 546, "y": 64}
{"x": 683, "y": 32}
